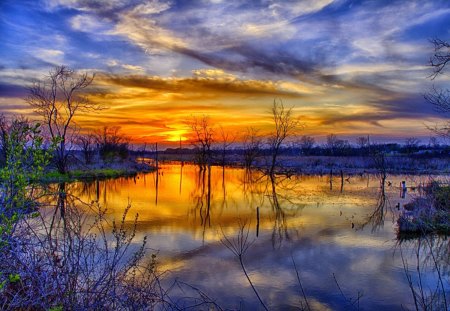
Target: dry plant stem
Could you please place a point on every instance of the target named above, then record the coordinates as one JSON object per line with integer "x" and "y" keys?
{"x": 349, "y": 300}
{"x": 238, "y": 247}
{"x": 425, "y": 300}
{"x": 419, "y": 274}
{"x": 408, "y": 277}
{"x": 300, "y": 283}
{"x": 441, "y": 282}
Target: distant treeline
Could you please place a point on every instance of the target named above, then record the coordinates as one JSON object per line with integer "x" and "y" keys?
{"x": 416, "y": 151}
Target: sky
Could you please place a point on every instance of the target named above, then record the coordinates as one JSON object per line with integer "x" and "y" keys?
{"x": 347, "y": 67}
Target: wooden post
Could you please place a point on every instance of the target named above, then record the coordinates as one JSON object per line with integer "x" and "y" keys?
{"x": 156, "y": 155}
{"x": 403, "y": 189}
{"x": 257, "y": 221}
{"x": 331, "y": 179}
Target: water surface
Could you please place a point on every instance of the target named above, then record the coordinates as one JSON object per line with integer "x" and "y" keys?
{"x": 340, "y": 233}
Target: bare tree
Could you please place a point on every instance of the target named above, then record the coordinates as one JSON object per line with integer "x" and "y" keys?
{"x": 58, "y": 98}
{"x": 441, "y": 56}
{"x": 306, "y": 144}
{"x": 439, "y": 98}
{"x": 362, "y": 141}
{"x": 252, "y": 146}
{"x": 411, "y": 144}
{"x": 88, "y": 146}
{"x": 203, "y": 137}
{"x": 227, "y": 139}
{"x": 336, "y": 145}
{"x": 285, "y": 126}
{"x": 111, "y": 143}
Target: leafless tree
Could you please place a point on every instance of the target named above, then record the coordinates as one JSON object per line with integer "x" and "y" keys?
{"x": 252, "y": 146}
{"x": 58, "y": 98}
{"x": 439, "y": 98}
{"x": 87, "y": 142}
{"x": 203, "y": 137}
{"x": 441, "y": 56}
{"x": 285, "y": 126}
{"x": 111, "y": 143}
{"x": 227, "y": 139}
{"x": 335, "y": 144}
{"x": 362, "y": 141}
{"x": 411, "y": 144}
{"x": 306, "y": 144}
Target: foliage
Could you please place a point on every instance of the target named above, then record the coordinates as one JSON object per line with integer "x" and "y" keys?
{"x": 25, "y": 160}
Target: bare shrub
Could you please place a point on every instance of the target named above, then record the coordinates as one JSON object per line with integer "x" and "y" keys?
{"x": 68, "y": 260}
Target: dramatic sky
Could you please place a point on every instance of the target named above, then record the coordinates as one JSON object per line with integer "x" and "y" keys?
{"x": 348, "y": 67}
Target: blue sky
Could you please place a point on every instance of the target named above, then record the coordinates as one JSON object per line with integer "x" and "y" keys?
{"x": 348, "y": 67}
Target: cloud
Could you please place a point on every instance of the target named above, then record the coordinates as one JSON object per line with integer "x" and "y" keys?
{"x": 11, "y": 90}
{"x": 217, "y": 84}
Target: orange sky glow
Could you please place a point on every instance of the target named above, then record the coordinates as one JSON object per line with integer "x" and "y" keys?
{"x": 350, "y": 69}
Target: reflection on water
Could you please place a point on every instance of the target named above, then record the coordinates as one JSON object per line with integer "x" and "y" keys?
{"x": 346, "y": 231}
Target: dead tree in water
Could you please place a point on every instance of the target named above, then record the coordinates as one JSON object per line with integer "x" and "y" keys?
{"x": 203, "y": 138}
{"x": 252, "y": 146}
{"x": 226, "y": 141}
{"x": 285, "y": 126}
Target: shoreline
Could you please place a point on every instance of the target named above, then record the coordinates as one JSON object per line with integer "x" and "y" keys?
{"x": 288, "y": 166}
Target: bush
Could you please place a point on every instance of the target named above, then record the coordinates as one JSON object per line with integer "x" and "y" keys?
{"x": 442, "y": 198}
{"x": 68, "y": 261}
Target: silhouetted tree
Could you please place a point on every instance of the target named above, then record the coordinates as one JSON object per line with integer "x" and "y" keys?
{"x": 439, "y": 98}
{"x": 362, "y": 142}
{"x": 87, "y": 144}
{"x": 58, "y": 98}
{"x": 441, "y": 56}
{"x": 111, "y": 143}
{"x": 306, "y": 144}
{"x": 336, "y": 146}
{"x": 252, "y": 146}
{"x": 411, "y": 145}
{"x": 285, "y": 126}
{"x": 203, "y": 137}
{"x": 226, "y": 141}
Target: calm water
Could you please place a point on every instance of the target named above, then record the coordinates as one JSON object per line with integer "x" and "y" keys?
{"x": 332, "y": 231}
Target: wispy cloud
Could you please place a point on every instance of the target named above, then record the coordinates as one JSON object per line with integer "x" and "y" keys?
{"x": 345, "y": 64}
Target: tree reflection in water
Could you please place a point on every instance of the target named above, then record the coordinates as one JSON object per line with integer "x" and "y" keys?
{"x": 422, "y": 256}
{"x": 273, "y": 207}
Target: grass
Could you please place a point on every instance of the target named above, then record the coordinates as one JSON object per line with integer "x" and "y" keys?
{"x": 429, "y": 213}
{"x": 103, "y": 173}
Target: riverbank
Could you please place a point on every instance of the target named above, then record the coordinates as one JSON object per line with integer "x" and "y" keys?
{"x": 98, "y": 171}
{"x": 429, "y": 213}
{"x": 322, "y": 165}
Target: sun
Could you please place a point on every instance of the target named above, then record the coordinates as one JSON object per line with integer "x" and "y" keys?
{"x": 176, "y": 135}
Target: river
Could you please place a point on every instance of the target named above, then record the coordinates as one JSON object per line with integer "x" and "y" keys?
{"x": 340, "y": 233}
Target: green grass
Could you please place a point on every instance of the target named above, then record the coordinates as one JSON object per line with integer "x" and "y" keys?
{"x": 74, "y": 175}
